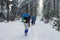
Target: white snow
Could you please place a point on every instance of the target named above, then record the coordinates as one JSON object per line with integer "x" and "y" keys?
{"x": 39, "y": 31}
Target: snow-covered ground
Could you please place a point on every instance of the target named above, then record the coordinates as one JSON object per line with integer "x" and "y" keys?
{"x": 39, "y": 31}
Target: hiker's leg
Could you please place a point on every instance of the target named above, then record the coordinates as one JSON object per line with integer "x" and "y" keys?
{"x": 26, "y": 32}
{"x": 26, "y": 28}
{"x": 29, "y": 24}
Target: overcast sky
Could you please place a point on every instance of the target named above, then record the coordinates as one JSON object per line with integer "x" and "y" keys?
{"x": 10, "y": 0}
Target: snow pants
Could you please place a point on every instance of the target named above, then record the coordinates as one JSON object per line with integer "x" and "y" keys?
{"x": 26, "y": 27}
{"x": 33, "y": 22}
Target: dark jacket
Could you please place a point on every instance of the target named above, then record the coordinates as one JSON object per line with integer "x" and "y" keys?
{"x": 27, "y": 19}
{"x": 33, "y": 18}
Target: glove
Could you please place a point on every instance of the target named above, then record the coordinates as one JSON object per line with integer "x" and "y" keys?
{"x": 24, "y": 20}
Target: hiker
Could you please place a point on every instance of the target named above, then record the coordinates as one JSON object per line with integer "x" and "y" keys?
{"x": 29, "y": 21}
{"x": 26, "y": 19}
{"x": 33, "y": 19}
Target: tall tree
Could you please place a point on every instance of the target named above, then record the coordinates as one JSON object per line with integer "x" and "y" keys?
{"x": 57, "y": 8}
{"x": 7, "y": 10}
{"x": 2, "y": 5}
{"x": 54, "y": 7}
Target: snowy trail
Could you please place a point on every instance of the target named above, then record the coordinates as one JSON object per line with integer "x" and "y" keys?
{"x": 39, "y": 31}
{"x": 46, "y": 32}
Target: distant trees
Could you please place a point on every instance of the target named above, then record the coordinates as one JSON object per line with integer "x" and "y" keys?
{"x": 50, "y": 10}
{"x": 29, "y": 6}
{"x": 2, "y": 17}
{"x": 5, "y": 6}
{"x": 57, "y": 24}
{"x": 47, "y": 11}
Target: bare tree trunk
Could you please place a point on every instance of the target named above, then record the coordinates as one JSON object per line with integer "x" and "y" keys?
{"x": 57, "y": 8}
{"x": 54, "y": 12}
{"x": 58, "y": 12}
{"x": 54, "y": 4}
{"x": 8, "y": 11}
{"x": 1, "y": 5}
{"x": 33, "y": 7}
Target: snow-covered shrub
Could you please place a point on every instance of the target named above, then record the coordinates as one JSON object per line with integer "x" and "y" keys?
{"x": 57, "y": 24}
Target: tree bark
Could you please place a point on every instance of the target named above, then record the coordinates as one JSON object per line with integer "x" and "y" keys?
{"x": 8, "y": 11}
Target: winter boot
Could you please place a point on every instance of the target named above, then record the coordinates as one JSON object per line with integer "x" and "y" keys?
{"x": 26, "y": 32}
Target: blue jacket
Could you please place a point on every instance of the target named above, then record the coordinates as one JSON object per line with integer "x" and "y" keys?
{"x": 33, "y": 18}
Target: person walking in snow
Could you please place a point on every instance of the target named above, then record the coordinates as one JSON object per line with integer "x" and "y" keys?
{"x": 26, "y": 20}
{"x": 33, "y": 19}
